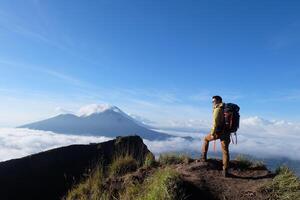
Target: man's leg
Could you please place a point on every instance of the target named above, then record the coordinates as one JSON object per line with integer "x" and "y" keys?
{"x": 225, "y": 154}
{"x": 205, "y": 146}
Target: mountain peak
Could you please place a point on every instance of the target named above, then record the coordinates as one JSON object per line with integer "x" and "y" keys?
{"x": 96, "y": 108}
{"x": 97, "y": 120}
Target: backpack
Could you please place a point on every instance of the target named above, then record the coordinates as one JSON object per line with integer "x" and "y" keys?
{"x": 231, "y": 118}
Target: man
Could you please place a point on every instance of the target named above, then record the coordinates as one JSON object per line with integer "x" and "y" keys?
{"x": 218, "y": 132}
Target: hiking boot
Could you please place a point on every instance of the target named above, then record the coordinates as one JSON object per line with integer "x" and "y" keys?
{"x": 225, "y": 173}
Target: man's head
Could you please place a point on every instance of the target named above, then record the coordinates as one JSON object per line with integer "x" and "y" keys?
{"x": 216, "y": 100}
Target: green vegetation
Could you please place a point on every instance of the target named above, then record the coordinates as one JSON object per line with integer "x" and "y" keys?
{"x": 89, "y": 189}
{"x": 122, "y": 165}
{"x": 170, "y": 159}
{"x": 150, "y": 160}
{"x": 285, "y": 185}
{"x": 245, "y": 162}
{"x": 164, "y": 184}
{"x": 93, "y": 186}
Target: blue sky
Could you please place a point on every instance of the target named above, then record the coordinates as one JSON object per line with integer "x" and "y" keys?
{"x": 162, "y": 60}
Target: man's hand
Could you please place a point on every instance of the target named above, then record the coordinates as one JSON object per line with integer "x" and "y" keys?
{"x": 213, "y": 135}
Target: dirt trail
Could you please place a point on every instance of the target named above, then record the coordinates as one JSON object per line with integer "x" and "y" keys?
{"x": 205, "y": 181}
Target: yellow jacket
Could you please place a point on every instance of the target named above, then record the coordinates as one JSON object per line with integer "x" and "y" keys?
{"x": 218, "y": 119}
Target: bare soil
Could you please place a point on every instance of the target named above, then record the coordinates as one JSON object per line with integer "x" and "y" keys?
{"x": 204, "y": 180}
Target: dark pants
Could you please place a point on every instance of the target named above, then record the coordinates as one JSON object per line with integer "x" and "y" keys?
{"x": 225, "y": 141}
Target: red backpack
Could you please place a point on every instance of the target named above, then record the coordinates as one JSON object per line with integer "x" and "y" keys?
{"x": 232, "y": 119}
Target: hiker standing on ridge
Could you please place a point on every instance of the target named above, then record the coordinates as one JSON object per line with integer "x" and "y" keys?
{"x": 218, "y": 132}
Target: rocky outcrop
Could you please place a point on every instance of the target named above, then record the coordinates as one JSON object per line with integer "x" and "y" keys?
{"x": 205, "y": 180}
{"x": 49, "y": 174}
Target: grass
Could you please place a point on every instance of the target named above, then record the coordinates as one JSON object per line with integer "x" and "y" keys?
{"x": 164, "y": 184}
{"x": 170, "y": 159}
{"x": 122, "y": 165}
{"x": 246, "y": 163}
{"x": 89, "y": 189}
{"x": 150, "y": 160}
{"x": 92, "y": 187}
{"x": 285, "y": 185}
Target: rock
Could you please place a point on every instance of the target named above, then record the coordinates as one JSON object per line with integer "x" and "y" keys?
{"x": 49, "y": 174}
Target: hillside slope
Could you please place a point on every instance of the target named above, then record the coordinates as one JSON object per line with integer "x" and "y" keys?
{"x": 207, "y": 180}
{"x": 49, "y": 174}
{"x": 180, "y": 178}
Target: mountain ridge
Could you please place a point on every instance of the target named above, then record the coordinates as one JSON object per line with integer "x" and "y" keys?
{"x": 109, "y": 122}
{"x": 49, "y": 174}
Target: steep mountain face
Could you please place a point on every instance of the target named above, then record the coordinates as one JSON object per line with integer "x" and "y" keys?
{"x": 110, "y": 122}
{"x": 49, "y": 174}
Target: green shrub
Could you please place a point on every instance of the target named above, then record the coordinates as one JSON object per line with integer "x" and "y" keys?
{"x": 150, "y": 160}
{"x": 285, "y": 185}
{"x": 244, "y": 162}
{"x": 170, "y": 159}
{"x": 164, "y": 184}
{"x": 89, "y": 189}
{"x": 122, "y": 165}
{"x": 133, "y": 190}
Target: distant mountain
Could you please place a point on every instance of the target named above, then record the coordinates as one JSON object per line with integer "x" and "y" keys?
{"x": 97, "y": 120}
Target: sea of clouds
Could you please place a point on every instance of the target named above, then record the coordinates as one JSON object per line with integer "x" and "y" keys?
{"x": 259, "y": 137}
{"x": 19, "y": 142}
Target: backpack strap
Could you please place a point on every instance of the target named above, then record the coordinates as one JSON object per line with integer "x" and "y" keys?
{"x": 231, "y": 139}
{"x": 235, "y": 138}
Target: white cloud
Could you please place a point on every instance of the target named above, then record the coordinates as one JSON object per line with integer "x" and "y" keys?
{"x": 188, "y": 125}
{"x": 259, "y": 126}
{"x": 96, "y": 108}
{"x": 173, "y": 145}
{"x": 141, "y": 119}
{"x": 261, "y": 137}
{"x": 257, "y": 136}
{"x": 60, "y": 110}
{"x": 17, "y": 142}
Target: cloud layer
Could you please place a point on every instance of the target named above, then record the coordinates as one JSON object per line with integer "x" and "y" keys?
{"x": 256, "y": 136}
{"x": 259, "y": 137}
{"x": 19, "y": 142}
